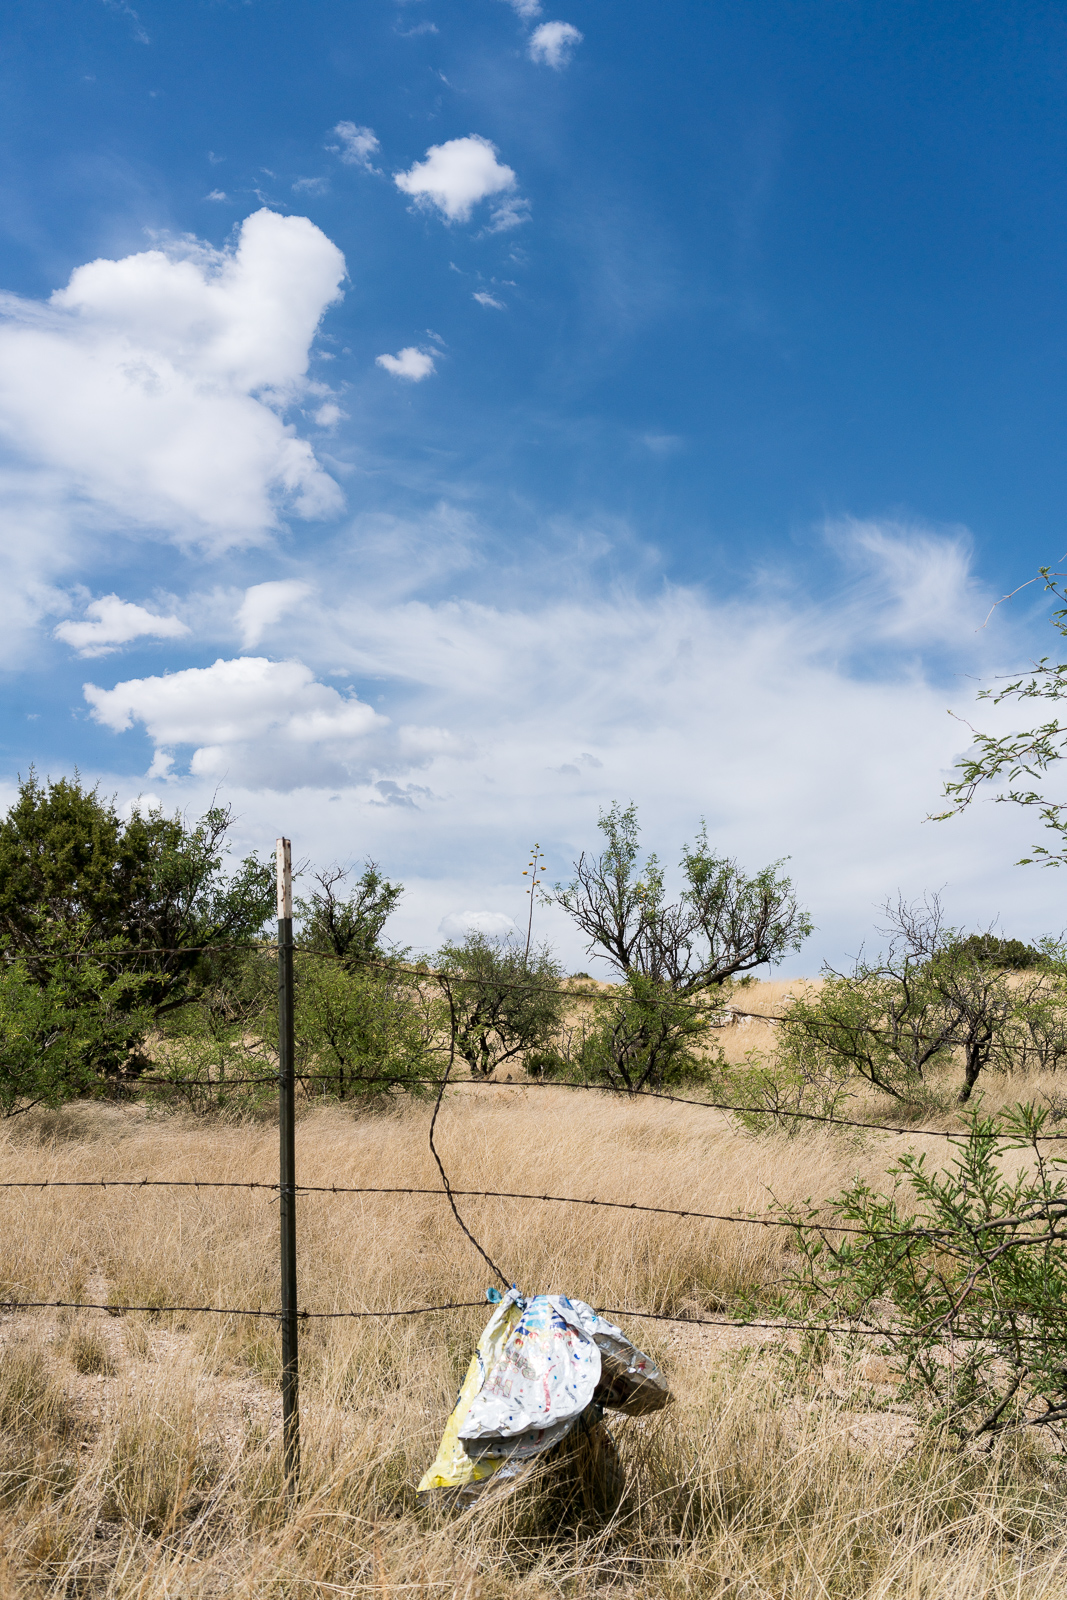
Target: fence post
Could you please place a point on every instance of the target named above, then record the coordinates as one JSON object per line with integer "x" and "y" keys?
{"x": 287, "y": 1172}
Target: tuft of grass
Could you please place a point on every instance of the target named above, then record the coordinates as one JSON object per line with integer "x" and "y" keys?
{"x": 89, "y": 1353}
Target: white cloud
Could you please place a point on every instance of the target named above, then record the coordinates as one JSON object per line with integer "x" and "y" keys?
{"x": 328, "y": 415}
{"x": 111, "y": 622}
{"x": 456, "y": 176}
{"x": 265, "y": 604}
{"x": 310, "y": 186}
{"x": 512, "y": 213}
{"x": 526, "y": 8}
{"x": 798, "y": 723}
{"x": 553, "y": 43}
{"x": 217, "y": 194}
{"x": 358, "y": 146}
{"x": 808, "y": 721}
{"x": 485, "y": 299}
{"x": 151, "y": 390}
{"x": 925, "y": 590}
{"x": 494, "y": 924}
{"x": 411, "y": 363}
{"x": 270, "y": 722}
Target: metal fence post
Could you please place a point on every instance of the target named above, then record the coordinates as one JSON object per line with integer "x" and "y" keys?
{"x": 287, "y": 1172}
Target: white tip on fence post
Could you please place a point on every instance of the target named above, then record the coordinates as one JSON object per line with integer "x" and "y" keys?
{"x": 284, "y": 857}
{"x": 287, "y": 1171}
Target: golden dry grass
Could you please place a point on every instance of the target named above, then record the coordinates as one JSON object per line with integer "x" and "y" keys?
{"x": 138, "y": 1454}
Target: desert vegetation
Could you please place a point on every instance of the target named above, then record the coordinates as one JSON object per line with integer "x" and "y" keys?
{"x": 140, "y": 1451}
{"x": 853, "y": 1275}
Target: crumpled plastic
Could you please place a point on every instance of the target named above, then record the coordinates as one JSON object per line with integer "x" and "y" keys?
{"x": 541, "y": 1366}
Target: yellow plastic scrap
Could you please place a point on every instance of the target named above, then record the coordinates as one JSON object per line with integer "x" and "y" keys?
{"x": 453, "y": 1467}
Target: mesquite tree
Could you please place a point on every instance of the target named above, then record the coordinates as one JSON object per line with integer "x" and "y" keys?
{"x": 667, "y": 952}
{"x": 501, "y": 1002}
{"x": 722, "y": 924}
{"x": 929, "y": 999}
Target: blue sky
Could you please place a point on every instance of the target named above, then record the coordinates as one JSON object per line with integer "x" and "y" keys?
{"x": 422, "y": 424}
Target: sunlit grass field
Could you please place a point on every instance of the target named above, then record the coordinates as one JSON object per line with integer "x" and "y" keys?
{"x": 139, "y": 1453}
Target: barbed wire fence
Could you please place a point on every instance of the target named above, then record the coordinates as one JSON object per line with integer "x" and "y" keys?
{"x": 289, "y": 1315}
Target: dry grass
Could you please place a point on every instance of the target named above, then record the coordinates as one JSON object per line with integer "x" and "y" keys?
{"x": 138, "y": 1454}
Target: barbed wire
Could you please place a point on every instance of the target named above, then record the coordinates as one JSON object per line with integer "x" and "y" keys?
{"x": 230, "y": 1311}
{"x": 486, "y": 1257}
{"x": 12, "y": 954}
{"x": 783, "y": 1325}
{"x": 764, "y": 1221}
{"x": 781, "y": 1114}
{"x": 1054, "y": 1211}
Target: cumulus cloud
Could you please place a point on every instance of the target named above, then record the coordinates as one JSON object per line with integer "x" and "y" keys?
{"x": 357, "y": 146}
{"x": 411, "y": 363}
{"x": 250, "y": 718}
{"x": 494, "y": 924}
{"x": 553, "y": 43}
{"x": 485, "y": 299}
{"x": 456, "y": 176}
{"x": 265, "y": 604}
{"x": 111, "y": 622}
{"x": 153, "y": 389}
{"x": 526, "y": 8}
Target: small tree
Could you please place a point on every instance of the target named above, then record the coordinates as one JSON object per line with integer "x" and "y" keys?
{"x": 639, "y": 1037}
{"x": 359, "y": 1031}
{"x": 1018, "y": 762}
{"x": 674, "y": 957}
{"x": 60, "y": 1036}
{"x": 501, "y": 1002}
{"x": 151, "y": 891}
{"x": 723, "y": 923}
{"x": 931, "y": 998}
{"x": 348, "y": 929}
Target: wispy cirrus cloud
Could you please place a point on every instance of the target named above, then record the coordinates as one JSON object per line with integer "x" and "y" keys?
{"x": 797, "y": 723}
{"x": 265, "y": 604}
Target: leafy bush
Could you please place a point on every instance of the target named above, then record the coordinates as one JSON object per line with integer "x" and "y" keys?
{"x": 64, "y": 1028}
{"x": 500, "y": 1002}
{"x": 640, "y": 1036}
{"x": 1010, "y": 954}
{"x": 356, "y": 1028}
{"x": 968, "y": 1269}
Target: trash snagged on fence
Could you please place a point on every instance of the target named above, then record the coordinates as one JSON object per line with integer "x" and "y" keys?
{"x": 542, "y": 1366}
